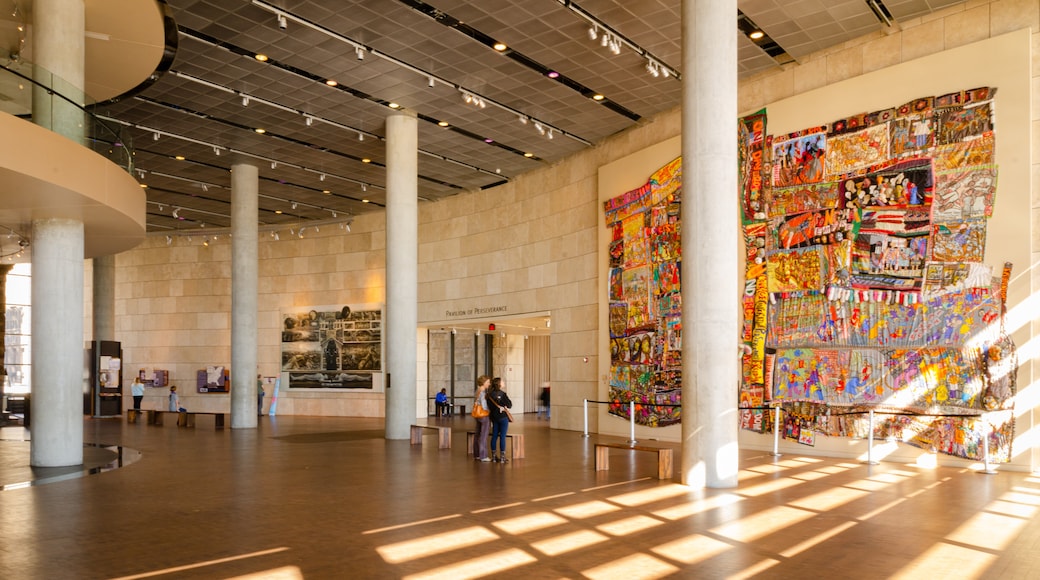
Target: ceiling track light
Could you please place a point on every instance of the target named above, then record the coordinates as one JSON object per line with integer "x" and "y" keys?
{"x": 205, "y": 187}
{"x": 282, "y": 22}
{"x": 169, "y": 240}
{"x": 360, "y": 52}
{"x": 160, "y": 207}
{"x": 155, "y": 136}
{"x": 348, "y": 227}
{"x": 245, "y": 101}
{"x": 320, "y": 178}
{"x": 430, "y": 82}
{"x": 364, "y": 187}
{"x": 216, "y": 151}
{"x": 276, "y": 237}
{"x": 593, "y": 32}
{"x": 360, "y": 136}
{"x": 176, "y": 211}
{"x": 309, "y": 121}
{"x": 293, "y": 204}
{"x": 274, "y": 165}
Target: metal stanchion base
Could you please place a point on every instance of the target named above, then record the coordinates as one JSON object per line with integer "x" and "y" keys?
{"x": 777, "y": 454}
{"x": 585, "y": 435}
{"x": 987, "y": 471}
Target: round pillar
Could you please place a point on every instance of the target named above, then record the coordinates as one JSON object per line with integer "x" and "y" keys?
{"x": 402, "y": 264}
{"x": 57, "y": 343}
{"x": 710, "y": 244}
{"x": 245, "y": 190}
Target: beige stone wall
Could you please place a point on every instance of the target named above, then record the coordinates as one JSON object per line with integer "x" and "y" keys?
{"x": 529, "y": 245}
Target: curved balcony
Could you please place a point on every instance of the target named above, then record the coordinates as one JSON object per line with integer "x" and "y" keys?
{"x": 84, "y": 173}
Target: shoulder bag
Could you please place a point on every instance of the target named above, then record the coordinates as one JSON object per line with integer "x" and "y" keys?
{"x": 502, "y": 410}
{"x": 479, "y": 412}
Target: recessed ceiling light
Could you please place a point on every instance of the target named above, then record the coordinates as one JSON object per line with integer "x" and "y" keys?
{"x": 552, "y": 74}
{"x": 260, "y": 130}
{"x": 179, "y": 158}
{"x": 528, "y": 154}
{"x": 326, "y": 192}
{"x": 278, "y": 211}
{"x": 261, "y": 57}
{"x": 500, "y": 46}
{"x": 489, "y": 140}
{"x": 366, "y": 160}
{"x": 144, "y": 186}
{"x": 757, "y": 34}
{"x": 443, "y": 123}
{"x": 394, "y": 106}
{"x": 364, "y": 201}
{"x": 331, "y": 83}
{"x": 598, "y": 97}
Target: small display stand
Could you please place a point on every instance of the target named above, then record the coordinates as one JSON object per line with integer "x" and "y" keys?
{"x": 103, "y": 396}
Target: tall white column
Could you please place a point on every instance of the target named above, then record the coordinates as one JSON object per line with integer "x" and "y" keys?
{"x": 402, "y": 261}
{"x": 104, "y": 297}
{"x": 57, "y": 343}
{"x": 709, "y": 244}
{"x": 58, "y": 53}
{"x": 244, "y": 279}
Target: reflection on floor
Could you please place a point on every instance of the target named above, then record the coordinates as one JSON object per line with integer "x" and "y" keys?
{"x": 307, "y": 497}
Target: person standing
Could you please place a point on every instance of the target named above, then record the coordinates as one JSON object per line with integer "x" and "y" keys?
{"x": 545, "y": 399}
{"x": 499, "y": 419}
{"x": 480, "y": 413}
{"x": 259, "y": 395}
{"x": 137, "y": 391}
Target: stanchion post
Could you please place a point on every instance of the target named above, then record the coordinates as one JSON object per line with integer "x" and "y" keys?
{"x": 586, "y": 433}
{"x": 776, "y": 431}
{"x": 632, "y": 422}
{"x": 986, "y": 469}
{"x": 870, "y": 441}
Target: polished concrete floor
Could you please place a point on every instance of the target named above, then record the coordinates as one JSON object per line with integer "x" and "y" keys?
{"x": 306, "y": 497}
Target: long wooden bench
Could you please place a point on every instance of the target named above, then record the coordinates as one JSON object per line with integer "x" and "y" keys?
{"x": 516, "y": 444}
{"x": 664, "y": 457}
{"x": 443, "y": 435}
{"x": 184, "y": 418}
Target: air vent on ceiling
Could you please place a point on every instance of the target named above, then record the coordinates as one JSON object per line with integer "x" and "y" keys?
{"x": 880, "y": 11}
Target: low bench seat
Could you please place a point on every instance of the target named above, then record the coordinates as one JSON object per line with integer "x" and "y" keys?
{"x": 443, "y": 435}
{"x": 664, "y": 457}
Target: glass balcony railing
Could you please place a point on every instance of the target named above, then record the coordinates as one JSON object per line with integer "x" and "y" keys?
{"x": 37, "y": 95}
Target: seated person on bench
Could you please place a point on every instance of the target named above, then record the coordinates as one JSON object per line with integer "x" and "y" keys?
{"x": 443, "y": 408}
{"x": 175, "y": 401}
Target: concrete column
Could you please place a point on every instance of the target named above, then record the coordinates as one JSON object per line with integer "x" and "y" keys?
{"x": 57, "y": 343}
{"x": 710, "y": 243}
{"x": 244, "y": 266}
{"x": 58, "y": 53}
{"x": 402, "y": 261}
{"x": 104, "y": 287}
{"x": 4, "y": 270}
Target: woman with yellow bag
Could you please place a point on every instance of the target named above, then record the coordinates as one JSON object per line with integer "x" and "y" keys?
{"x": 480, "y": 413}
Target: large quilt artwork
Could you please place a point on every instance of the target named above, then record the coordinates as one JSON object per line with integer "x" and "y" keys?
{"x": 866, "y": 286}
{"x": 645, "y": 300}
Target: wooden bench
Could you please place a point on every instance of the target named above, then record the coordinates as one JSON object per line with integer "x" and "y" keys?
{"x": 516, "y": 444}
{"x": 664, "y": 457}
{"x": 184, "y": 418}
{"x": 443, "y": 435}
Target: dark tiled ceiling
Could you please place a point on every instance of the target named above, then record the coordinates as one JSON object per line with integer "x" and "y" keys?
{"x": 193, "y": 110}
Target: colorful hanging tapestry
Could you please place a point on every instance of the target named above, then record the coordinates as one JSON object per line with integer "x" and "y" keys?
{"x": 645, "y": 300}
{"x": 866, "y": 287}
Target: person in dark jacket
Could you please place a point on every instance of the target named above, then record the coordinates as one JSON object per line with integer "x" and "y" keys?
{"x": 499, "y": 419}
